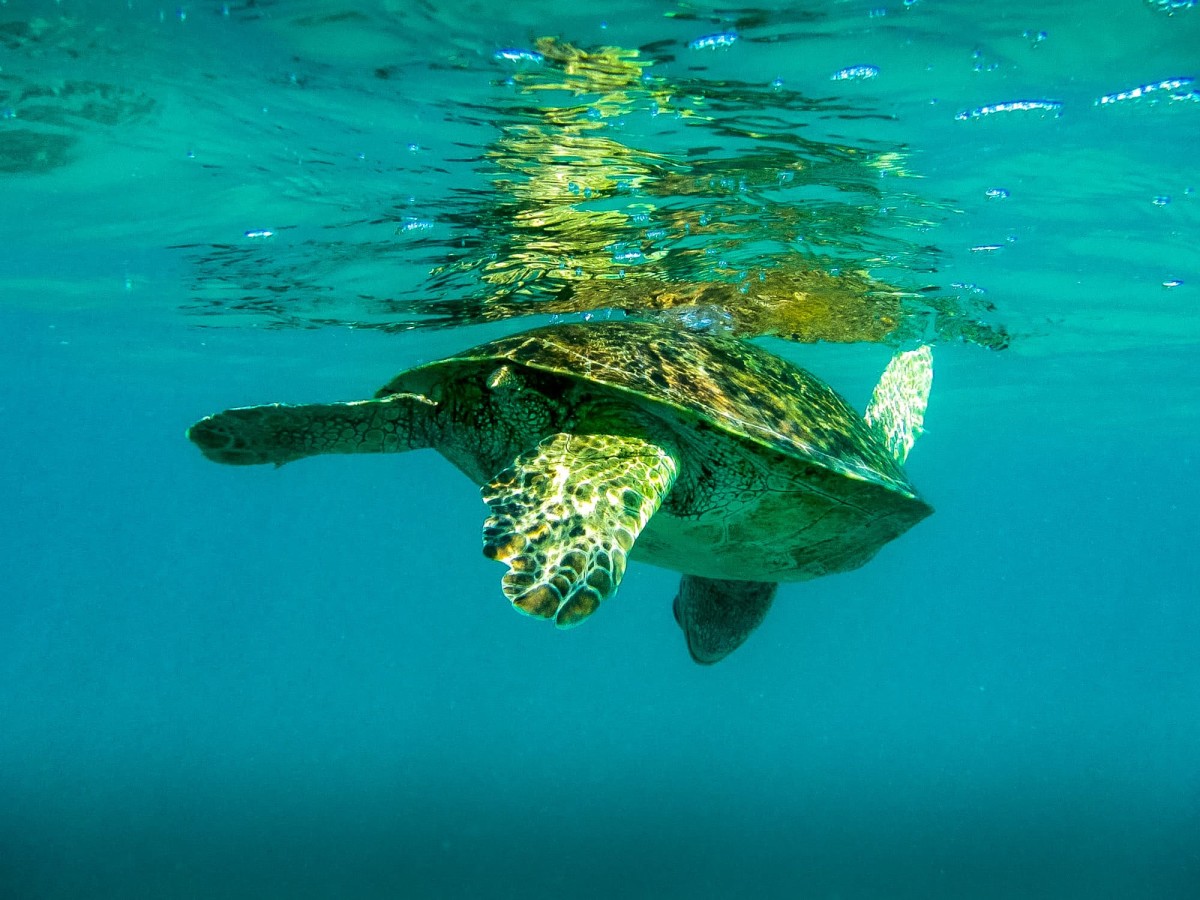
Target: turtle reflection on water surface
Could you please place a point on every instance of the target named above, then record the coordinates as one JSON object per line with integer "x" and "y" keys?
{"x": 598, "y": 442}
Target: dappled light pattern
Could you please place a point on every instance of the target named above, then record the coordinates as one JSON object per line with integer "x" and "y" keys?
{"x": 611, "y": 188}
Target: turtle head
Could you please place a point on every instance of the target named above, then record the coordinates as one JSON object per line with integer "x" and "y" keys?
{"x": 718, "y": 614}
{"x": 248, "y": 436}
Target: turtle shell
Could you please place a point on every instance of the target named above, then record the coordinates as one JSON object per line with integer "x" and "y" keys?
{"x": 731, "y": 385}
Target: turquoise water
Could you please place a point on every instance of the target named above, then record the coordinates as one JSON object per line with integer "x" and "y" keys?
{"x": 220, "y": 682}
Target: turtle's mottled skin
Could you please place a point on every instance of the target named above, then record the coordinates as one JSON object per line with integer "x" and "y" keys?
{"x": 594, "y": 442}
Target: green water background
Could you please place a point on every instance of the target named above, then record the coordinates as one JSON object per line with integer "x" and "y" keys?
{"x": 220, "y": 682}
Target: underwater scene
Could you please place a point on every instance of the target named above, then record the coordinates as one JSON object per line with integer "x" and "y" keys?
{"x": 819, "y": 381}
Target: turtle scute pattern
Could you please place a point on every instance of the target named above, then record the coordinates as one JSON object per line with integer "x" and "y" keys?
{"x": 737, "y": 387}
{"x": 565, "y": 516}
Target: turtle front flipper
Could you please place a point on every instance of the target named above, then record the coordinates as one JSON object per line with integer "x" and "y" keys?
{"x": 279, "y": 433}
{"x": 717, "y": 614}
{"x": 565, "y": 515}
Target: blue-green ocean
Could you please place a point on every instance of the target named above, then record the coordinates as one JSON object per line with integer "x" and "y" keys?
{"x": 221, "y": 682}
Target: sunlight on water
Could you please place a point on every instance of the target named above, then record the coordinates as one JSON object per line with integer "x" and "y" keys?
{"x": 395, "y": 167}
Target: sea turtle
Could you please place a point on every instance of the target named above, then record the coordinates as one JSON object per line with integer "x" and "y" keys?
{"x": 594, "y": 442}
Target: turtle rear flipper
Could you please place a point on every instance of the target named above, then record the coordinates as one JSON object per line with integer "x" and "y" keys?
{"x": 897, "y": 408}
{"x": 280, "y": 433}
{"x": 565, "y": 515}
{"x": 718, "y": 614}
